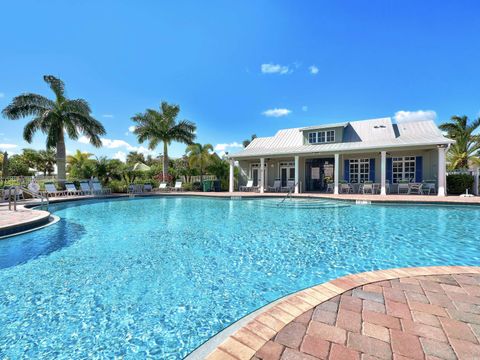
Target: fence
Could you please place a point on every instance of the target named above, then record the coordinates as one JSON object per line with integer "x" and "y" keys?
{"x": 194, "y": 179}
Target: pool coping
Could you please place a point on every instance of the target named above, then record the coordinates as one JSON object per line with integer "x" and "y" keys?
{"x": 242, "y": 339}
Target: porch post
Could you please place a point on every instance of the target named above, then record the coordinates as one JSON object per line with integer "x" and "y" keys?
{"x": 383, "y": 173}
{"x": 336, "y": 166}
{"x": 475, "y": 181}
{"x": 297, "y": 161}
{"x": 441, "y": 170}
{"x": 230, "y": 179}
{"x": 262, "y": 175}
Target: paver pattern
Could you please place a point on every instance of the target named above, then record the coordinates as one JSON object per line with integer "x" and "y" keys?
{"x": 419, "y": 317}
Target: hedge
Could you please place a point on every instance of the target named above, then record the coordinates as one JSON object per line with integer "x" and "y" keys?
{"x": 458, "y": 183}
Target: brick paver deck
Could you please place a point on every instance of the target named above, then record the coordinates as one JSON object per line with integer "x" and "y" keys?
{"x": 413, "y": 316}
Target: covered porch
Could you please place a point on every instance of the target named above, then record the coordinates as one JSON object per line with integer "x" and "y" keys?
{"x": 384, "y": 171}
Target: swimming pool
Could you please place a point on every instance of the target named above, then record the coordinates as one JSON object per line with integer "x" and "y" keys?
{"x": 159, "y": 276}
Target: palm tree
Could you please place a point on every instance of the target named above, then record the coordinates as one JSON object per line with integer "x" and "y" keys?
{"x": 465, "y": 151}
{"x": 199, "y": 157}
{"x": 55, "y": 118}
{"x": 47, "y": 160}
{"x": 161, "y": 126}
{"x": 79, "y": 158}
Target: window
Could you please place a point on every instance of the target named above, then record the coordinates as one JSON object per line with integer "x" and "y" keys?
{"x": 321, "y": 137}
{"x": 403, "y": 168}
{"x": 359, "y": 170}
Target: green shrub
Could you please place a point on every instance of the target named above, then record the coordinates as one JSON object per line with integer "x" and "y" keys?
{"x": 117, "y": 186}
{"x": 196, "y": 186}
{"x": 187, "y": 186}
{"x": 458, "y": 183}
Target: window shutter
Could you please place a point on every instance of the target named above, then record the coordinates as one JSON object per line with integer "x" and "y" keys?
{"x": 418, "y": 169}
{"x": 346, "y": 170}
{"x": 390, "y": 170}
{"x": 371, "y": 174}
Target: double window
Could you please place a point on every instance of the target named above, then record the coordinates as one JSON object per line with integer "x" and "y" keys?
{"x": 359, "y": 170}
{"x": 403, "y": 168}
{"x": 319, "y": 137}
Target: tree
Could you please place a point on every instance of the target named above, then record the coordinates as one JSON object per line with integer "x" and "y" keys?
{"x": 17, "y": 166}
{"x": 161, "y": 126}
{"x": 47, "y": 160}
{"x": 80, "y": 166}
{"x": 55, "y": 118}
{"x": 247, "y": 142}
{"x": 465, "y": 151}
{"x": 199, "y": 157}
{"x": 134, "y": 157}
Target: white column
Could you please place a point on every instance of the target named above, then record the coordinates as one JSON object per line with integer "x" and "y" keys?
{"x": 297, "y": 179}
{"x": 336, "y": 166}
{"x": 441, "y": 171}
{"x": 262, "y": 175}
{"x": 230, "y": 179}
{"x": 475, "y": 181}
{"x": 383, "y": 173}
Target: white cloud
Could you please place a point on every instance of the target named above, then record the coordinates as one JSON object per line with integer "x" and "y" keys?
{"x": 274, "y": 69}
{"x": 115, "y": 144}
{"x": 120, "y": 155}
{"x": 224, "y": 147}
{"x": 108, "y": 116}
{"x": 313, "y": 70}
{"x": 8, "y": 146}
{"x": 413, "y": 116}
{"x": 132, "y": 128}
{"x": 2, "y": 95}
{"x": 304, "y": 108}
{"x": 84, "y": 139}
{"x": 276, "y": 112}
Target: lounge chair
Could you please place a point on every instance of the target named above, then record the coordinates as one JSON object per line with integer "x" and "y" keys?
{"x": 51, "y": 190}
{"x": 277, "y": 185}
{"x": 415, "y": 189}
{"x": 289, "y": 187}
{"x": 403, "y": 186}
{"x": 147, "y": 187}
{"x": 367, "y": 187}
{"x": 85, "y": 188}
{"x": 248, "y": 187}
{"x": 162, "y": 187}
{"x": 135, "y": 189}
{"x": 177, "y": 187}
{"x": 99, "y": 190}
{"x": 70, "y": 189}
{"x": 7, "y": 193}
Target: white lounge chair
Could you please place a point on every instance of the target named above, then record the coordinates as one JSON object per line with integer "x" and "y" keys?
{"x": 415, "y": 189}
{"x": 162, "y": 187}
{"x": 177, "y": 187}
{"x": 85, "y": 188}
{"x": 289, "y": 187}
{"x": 70, "y": 189}
{"x": 98, "y": 189}
{"x": 51, "y": 190}
{"x": 277, "y": 185}
{"x": 247, "y": 187}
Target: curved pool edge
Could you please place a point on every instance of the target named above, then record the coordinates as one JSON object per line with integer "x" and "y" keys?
{"x": 30, "y": 219}
{"x": 264, "y": 323}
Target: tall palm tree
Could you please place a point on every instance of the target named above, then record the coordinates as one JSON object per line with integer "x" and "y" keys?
{"x": 161, "y": 126}
{"x": 465, "y": 151}
{"x": 55, "y": 118}
{"x": 199, "y": 157}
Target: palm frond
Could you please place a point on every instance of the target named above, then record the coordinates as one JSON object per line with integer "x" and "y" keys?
{"x": 27, "y": 105}
{"x": 57, "y": 86}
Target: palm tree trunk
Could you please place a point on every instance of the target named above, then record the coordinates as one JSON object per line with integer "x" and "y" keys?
{"x": 165, "y": 160}
{"x": 61, "y": 158}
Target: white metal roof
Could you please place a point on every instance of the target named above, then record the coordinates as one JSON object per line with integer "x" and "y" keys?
{"x": 373, "y": 134}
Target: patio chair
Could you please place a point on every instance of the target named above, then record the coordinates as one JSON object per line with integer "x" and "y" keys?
{"x": 162, "y": 187}
{"x": 346, "y": 188}
{"x": 368, "y": 187}
{"x": 51, "y": 190}
{"x": 289, "y": 187}
{"x": 7, "y": 193}
{"x": 85, "y": 188}
{"x": 247, "y": 187}
{"x": 330, "y": 188}
{"x": 99, "y": 190}
{"x": 429, "y": 187}
{"x": 147, "y": 188}
{"x": 403, "y": 187}
{"x": 177, "y": 187}
{"x": 277, "y": 185}
{"x": 70, "y": 189}
{"x": 415, "y": 188}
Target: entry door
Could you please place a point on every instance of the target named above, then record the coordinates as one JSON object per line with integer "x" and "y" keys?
{"x": 287, "y": 173}
{"x": 255, "y": 176}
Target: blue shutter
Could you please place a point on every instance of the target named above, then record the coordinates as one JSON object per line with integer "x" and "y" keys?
{"x": 371, "y": 175}
{"x": 346, "y": 170}
{"x": 418, "y": 168}
{"x": 390, "y": 170}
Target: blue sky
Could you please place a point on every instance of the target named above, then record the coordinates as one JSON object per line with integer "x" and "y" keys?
{"x": 228, "y": 63}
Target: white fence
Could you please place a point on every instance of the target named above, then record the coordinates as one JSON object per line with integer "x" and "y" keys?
{"x": 194, "y": 179}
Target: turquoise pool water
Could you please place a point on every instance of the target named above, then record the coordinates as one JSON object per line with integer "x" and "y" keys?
{"x": 156, "y": 277}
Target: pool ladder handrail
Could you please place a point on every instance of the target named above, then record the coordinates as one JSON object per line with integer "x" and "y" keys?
{"x": 289, "y": 194}
{"x": 27, "y": 191}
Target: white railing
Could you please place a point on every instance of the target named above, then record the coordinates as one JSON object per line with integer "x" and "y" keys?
{"x": 13, "y": 193}
{"x": 197, "y": 178}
